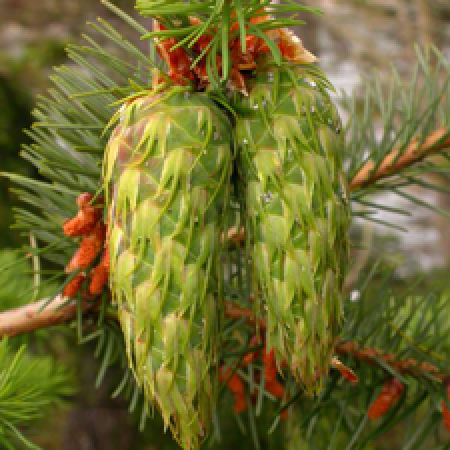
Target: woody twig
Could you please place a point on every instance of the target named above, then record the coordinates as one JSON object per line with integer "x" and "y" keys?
{"x": 397, "y": 160}
{"x": 35, "y": 316}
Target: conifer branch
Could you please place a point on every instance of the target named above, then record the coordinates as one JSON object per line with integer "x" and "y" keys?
{"x": 30, "y": 317}
{"x": 236, "y": 312}
{"x": 372, "y": 356}
{"x": 396, "y": 161}
{"x": 408, "y": 366}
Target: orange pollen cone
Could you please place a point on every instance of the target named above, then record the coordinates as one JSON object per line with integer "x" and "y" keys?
{"x": 389, "y": 395}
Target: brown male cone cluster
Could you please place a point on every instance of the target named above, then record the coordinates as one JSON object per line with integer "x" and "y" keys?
{"x": 88, "y": 225}
{"x": 179, "y": 62}
{"x": 389, "y": 395}
{"x": 236, "y": 385}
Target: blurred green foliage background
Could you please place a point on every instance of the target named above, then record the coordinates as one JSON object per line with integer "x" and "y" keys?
{"x": 14, "y": 118}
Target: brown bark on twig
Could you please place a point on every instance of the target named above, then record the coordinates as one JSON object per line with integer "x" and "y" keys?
{"x": 28, "y": 318}
{"x": 235, "y": 312}
{"x": 408, "y": 366}
{"x": 394, "y": 161}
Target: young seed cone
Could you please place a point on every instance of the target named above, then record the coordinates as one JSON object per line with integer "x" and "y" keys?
{"x": 168, "y": 162}
{"x": 298, "y": 215}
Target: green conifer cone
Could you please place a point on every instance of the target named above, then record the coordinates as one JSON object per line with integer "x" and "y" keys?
{"x": 297, "y": 213}
{"x": 168, "y": 163}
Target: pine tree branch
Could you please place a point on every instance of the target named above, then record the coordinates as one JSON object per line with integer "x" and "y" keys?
{"x": 396, "y": 161}
{"x": 372, "y": 356}
{"x": 29, "y": 318}
{"x": 408, "y": 366}
{"x": 236, "y": 312}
